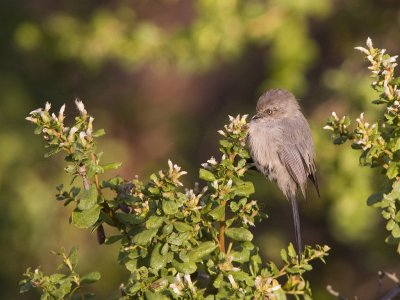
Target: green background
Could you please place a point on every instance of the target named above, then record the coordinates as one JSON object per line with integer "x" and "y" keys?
{"x": 161, "y": 77}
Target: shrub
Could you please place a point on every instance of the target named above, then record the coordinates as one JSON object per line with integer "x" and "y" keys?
{"x": 177, "y": 243}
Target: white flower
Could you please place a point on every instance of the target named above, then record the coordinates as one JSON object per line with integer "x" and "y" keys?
{"x": 327, "y": 127}
{"x": 247, "y": 221}
{"x": 369, "y": 42}
{"x": 362, "y": 49}
{"x": 215, "y": 184}
{"x": 61, "y": 113}
{"x": 175, "y": 172}
{"x": 212, "y": 161}
{"x": 36, "y": 111}
{"x": 82, "y": 136}
{"x": 89, "y": 130}
{"x": 229, "y": 183}
{"x": 233, "y": 282}
{"x": 47, "y": 107}
{"x": 30, "y": 119}
{"x": 80, "y": 106}
{"x": 177, "y": 286}
{"x": 189, "y": 282}
{"x": 72, "y": 131}
{"x": 221, "y": 132}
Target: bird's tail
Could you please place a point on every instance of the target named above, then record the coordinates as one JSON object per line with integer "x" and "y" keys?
{"x": 296, "y": 221}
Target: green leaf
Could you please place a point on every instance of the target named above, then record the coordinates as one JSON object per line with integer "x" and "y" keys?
{"x": 91, "y": 277}
{"x": 86, "y": 218}
{"x": 131, "y": 265}
{"x": 154, "y": 222}
{"x": 57, "y": 277}
{"x": 284, "y": 255}
{"x": 280, "y": 294}
{"x": 201, "y": 251}
{"x": 292, "y": 253}
{"x": 88, "y": 198}
{"x": 241, "y": 256}
{"x": 218, "y": 213}
{"x": 170, "y": 207}
{"x": 111, "y": 166}
{"x": 178, "y": 238}
{"x": 391, "y": 171}
{"x": 245, "y": 189}
{"x": 206, "y": 175}
{"x": 396, "y": 231}
{"x": 129, "y": 218}
{"x": 113, "y": 239}
{"x": 182, "y": 227}
{"x": 225, "y": 144}
{"x": 239, "y": 234}
{"x": 155, "y": 296}
{"x": 186, "y": 267}
{"x": 218, "y": 281}
{"x": 99, "y": 133}
{"x": 144, "y": 237}
{"x": 167, "y": 229}
{"x": 157, "y": 261}
{"x": 73, "y": 256}
{"x": 390, "y": 225}
{"x": 375, "y": 199}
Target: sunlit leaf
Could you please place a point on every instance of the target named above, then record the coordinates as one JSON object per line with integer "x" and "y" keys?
{"x": 144, "y": 237}
{"x": 239, "y": 234}
{"x": 206, "y": 175}
{"x": 86, "y": 218}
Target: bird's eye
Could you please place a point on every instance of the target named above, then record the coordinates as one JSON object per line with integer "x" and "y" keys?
{"x": 269, "y": 111}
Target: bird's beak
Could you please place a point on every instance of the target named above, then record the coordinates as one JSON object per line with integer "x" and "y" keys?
{"x": 256, "y": 116}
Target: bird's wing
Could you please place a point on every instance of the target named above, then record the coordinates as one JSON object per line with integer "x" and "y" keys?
{"x": 297, "y": 151}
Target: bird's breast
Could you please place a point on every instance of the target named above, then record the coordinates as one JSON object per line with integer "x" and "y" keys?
{"x": 263, "y": 143}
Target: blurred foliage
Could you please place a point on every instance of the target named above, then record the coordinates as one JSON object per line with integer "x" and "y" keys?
{"x": 158, "y": 106}
{"x": 59, "y": 285}
{"x": 379, "y": 142}
{"x": 221, "y": 31}
{"x": 167, "y": 235}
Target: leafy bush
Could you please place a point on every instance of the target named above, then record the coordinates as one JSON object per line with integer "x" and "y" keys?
{"x": 378, "y": 142}
{"x": 173, "y": 240}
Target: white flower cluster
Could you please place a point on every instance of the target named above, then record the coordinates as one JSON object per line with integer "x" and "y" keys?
{"x": 337, "y": 123}
{"x": 267, "y": 285}
{"x": 364, "y": 131}
{"x": 44, "y": 116}
{"x": 235, "y": 126}
{"x": 175, "y": 172}
{"x": 193, "y": 199}
{"x": 382, "y": 66}
{"x": 180, "y": 285}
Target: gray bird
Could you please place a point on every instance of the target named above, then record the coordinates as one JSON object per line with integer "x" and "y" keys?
{"x": 281, "y": 146}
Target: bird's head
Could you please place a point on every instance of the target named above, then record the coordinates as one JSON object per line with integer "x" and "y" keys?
{"x": 276, "y": 104}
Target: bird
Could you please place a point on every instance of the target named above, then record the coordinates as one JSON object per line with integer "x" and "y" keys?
{"x": 281, "y": 146}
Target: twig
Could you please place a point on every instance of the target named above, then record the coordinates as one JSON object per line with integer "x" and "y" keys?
{"x": 331, "y": 291}
{"x": 222, "y": 230}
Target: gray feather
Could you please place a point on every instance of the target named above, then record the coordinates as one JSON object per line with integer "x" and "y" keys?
{"x": 282, "y": 148}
